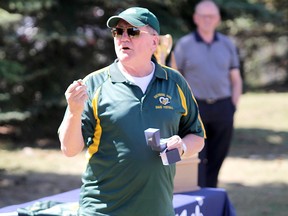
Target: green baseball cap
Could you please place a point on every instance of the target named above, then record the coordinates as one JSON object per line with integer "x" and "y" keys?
{"x": 136, "y": 16}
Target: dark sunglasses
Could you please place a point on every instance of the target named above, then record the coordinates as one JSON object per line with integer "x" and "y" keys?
{"x": 131, "y": 32}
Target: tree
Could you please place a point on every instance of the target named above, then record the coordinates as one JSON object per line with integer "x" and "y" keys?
{"x": 45, "y": 45}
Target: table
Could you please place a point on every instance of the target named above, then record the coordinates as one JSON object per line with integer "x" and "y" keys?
{"x": 203, "y": 202}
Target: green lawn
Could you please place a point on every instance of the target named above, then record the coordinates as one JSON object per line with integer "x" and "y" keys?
{"x": 256, "y": 172}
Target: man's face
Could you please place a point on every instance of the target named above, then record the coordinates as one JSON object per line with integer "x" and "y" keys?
{"x": 134, "y": 49}
{"x": 207, "y": 18}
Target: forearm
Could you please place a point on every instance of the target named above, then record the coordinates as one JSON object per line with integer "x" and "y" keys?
{"x": 70, "y": 135}
{"x": 194, "y": 145}
{"x": 236, "y": 81}
{"x": 236, "y": 93}
{"x": 70, "y": 132}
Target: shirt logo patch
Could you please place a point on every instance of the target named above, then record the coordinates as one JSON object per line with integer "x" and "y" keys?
{"x": 164, "y": 101}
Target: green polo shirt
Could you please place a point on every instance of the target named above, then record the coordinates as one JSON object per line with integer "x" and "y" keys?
{"x": 123, "y": 175}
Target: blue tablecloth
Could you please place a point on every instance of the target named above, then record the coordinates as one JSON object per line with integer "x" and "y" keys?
{"x": 203, "y": 202}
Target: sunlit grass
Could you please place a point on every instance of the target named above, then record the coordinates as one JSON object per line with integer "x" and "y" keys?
{"x": 255, "y": 173}
{"x": 43, "y": 161}
{"x": 263, "y": 110}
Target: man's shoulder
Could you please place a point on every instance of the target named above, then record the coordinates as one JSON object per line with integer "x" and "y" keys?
{"x": 99, "y": 75}
{"x": 187, "y": 38}
{"x": 174, "y": 75}
{"x": 225, "y": 38}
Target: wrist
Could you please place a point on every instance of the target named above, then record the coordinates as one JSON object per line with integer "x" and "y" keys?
{"x": 184, "y": 149}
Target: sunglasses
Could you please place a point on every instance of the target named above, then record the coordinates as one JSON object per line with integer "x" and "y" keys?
{"x": 131, "y": 32}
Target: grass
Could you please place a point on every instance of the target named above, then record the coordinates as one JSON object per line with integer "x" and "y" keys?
{"x": 255, "y": 173}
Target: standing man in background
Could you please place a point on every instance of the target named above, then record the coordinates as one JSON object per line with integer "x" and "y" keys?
{"x": 209, "y": 62}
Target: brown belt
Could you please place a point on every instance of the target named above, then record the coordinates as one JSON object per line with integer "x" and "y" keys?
{"x": 211, "y": 100}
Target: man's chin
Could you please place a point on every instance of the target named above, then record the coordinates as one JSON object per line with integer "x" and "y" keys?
{"x": 124, "y": 57}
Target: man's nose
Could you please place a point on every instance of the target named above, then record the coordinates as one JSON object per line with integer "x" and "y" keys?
{"x": 125, "y": 35}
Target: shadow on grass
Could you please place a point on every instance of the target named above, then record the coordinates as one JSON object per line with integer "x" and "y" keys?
{"x": 262, "y": 143}
{"x": 19, "y": 188}
{"x": 264, "y": 199}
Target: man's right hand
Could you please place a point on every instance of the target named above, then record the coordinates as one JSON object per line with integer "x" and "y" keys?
{"x": 76, "y": 95}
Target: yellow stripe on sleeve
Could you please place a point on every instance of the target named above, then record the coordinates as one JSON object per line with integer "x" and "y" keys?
{"x": 93, "y": 148}
{"x": 183, "y": 100}
{"x": 184, "y": 104}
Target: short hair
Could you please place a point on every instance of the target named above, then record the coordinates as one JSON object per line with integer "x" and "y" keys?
{"x": 206, "y": 1}
{"x": 152, "y": 30}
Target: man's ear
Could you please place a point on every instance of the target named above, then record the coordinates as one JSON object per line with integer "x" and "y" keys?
{"x": 155, "y": 42}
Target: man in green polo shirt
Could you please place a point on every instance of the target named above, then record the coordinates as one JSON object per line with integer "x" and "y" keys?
{"x": 108, "y": 113}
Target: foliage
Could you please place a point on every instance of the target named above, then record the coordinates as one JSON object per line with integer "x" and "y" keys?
{"x": 45, "y": 45}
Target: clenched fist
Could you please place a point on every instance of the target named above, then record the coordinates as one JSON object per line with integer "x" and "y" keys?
{"x": 76, "y": 95}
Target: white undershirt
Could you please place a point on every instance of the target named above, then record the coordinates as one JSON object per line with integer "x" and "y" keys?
{"x": 142, "y": 82}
